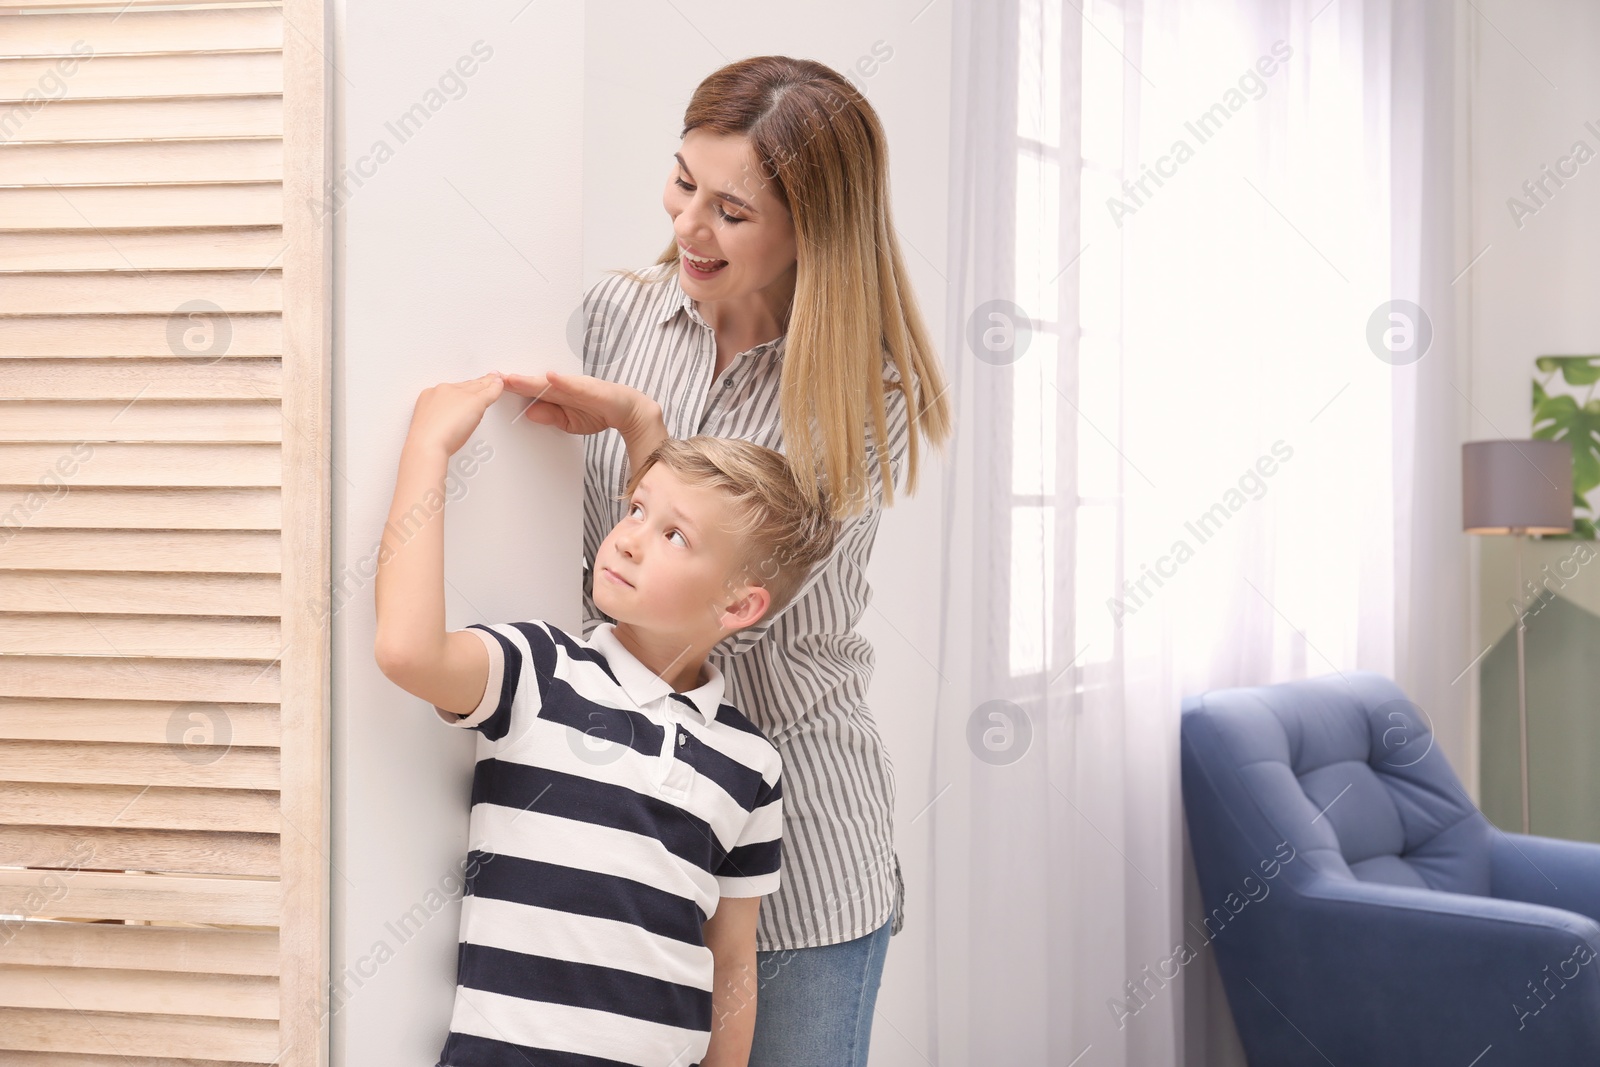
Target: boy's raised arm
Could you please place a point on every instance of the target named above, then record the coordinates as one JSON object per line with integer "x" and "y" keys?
{"x": 411, "y": 646}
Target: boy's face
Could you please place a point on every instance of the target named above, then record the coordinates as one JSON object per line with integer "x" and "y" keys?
{"x": 668, "y": 565}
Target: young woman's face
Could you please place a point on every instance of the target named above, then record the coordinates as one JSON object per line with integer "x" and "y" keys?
{"x": 723, "y": 211}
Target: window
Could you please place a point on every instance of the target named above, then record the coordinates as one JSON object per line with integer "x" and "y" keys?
{"x": 1065, "y": 446}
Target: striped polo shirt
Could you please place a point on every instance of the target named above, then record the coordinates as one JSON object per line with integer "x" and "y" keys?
{"x": 610, "y": 814}
{"x": 802, "y": 675}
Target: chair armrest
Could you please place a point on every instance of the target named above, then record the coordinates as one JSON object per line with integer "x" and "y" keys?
{"x": 1546, "y": 870}
{"x": 1377, "y": 974}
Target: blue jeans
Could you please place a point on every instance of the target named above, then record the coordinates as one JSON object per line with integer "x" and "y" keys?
{"x": 814, "y": 1005}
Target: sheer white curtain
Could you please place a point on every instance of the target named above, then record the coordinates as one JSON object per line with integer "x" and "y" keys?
{"x": 1194, "y": 450}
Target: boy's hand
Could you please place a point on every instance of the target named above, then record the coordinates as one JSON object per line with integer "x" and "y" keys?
{"x": 447, "y": 414}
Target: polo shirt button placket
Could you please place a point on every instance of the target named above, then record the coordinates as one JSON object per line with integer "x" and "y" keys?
{"x": 665, "y": 757}
{"x": 678, "y": 775}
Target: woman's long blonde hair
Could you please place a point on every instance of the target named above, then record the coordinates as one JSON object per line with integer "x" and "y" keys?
{"x": 821, "y": 149}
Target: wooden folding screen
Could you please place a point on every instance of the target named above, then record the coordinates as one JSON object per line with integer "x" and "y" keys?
{"x": 164, "y": 531}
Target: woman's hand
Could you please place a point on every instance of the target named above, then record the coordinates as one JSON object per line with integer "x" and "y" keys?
{"x": 582, "y": 404}
{"x": 447, "y": 414}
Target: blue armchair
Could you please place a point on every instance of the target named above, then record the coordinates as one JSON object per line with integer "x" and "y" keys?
{"x": 1363, "y": 911}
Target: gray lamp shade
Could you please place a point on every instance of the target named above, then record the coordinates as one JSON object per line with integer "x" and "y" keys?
{"x": 1516, "y": 487}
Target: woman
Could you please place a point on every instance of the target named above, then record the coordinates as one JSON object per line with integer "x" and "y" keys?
{"x": 781, "y": 314}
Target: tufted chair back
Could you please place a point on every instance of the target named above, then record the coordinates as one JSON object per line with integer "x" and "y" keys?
{"x": 1356, "y": 762}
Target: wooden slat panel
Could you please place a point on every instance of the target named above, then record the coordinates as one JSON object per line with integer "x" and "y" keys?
{"x": 130, "y": 292}
{"x": 128, "y": 120}
{"x": 144, "y": 31}
{"x": 251, "y": 811}
{"x": 152, "y": 722}
{"x": 213, "y": 551}
{"x": 141, "y": 803}
{"x": 118, "y": 1035}
{"x": 192, "y": 378}
{"x": 51, "y": 336}
{"x": 78, "y": 1059}
{"x": 109, "y": 207}
{"x": 172, "y": 897}
{"x": 177, "y": 851}
{"x": 153, "y": 379}
{"x": 166, "y": 948}
{"x": 153, "y": 992}
{"x": 134, "y": 593}
{"x": 127, "y": 678}
{"x": 231, "y": 421}
{"x": 162, "y": 637}
{"x": 228, "y": 249}
{"x": 165, "y": 509}
{"x": 308, "y": 372}
{"x": 101, "y": 76}
{"x": 52, "y": 5}
{"x": 103, "y": 464}
{"x": 96, "y": 763}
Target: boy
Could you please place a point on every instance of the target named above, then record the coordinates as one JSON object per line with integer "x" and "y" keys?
{"x": 625, "y": 820}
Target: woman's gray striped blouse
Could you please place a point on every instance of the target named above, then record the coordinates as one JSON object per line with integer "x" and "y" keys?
{"x": 802, "y": 676}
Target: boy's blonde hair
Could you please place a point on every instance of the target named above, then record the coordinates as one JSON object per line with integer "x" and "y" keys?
{"x": 781, "y": 537}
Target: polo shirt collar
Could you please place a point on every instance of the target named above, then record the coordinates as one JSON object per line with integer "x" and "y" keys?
{"x": 644, "y": 686}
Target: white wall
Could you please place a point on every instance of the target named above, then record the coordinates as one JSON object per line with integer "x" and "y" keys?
{"x": 455, "y": 255}
{"x": 642, "y": 60}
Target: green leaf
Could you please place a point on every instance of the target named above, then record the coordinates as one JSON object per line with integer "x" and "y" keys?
{"x": 1552, "y": 414}
{"x": 1581, "y": 370}
{"x": 1559, "y": 418}
{"x": 1575, "y": 370}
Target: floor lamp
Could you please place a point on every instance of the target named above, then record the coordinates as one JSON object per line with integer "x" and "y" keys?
{"x": 1517, "y": 488}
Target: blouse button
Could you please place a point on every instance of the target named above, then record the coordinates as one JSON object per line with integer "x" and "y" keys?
{"x": 683, "y": 739}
